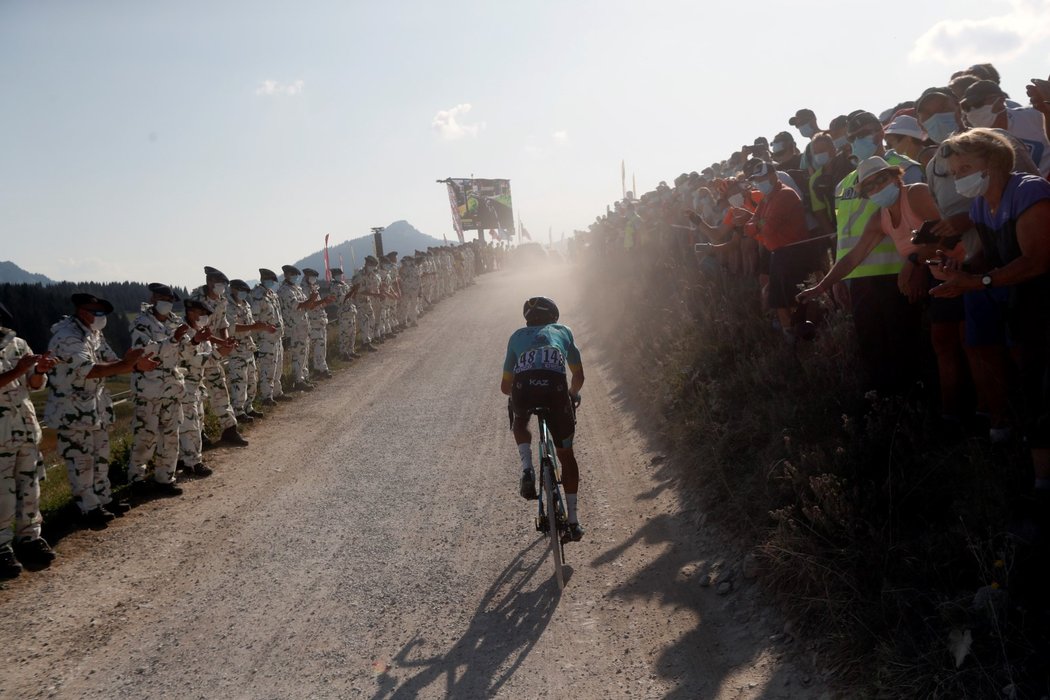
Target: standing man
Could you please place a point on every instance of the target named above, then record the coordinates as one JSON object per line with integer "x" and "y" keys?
{"x": 294, "y": 305}
{"x": 20, "y": 460}
{"x": 266, "y": 307}
{"x": 367, "y": 282}
{"x": 244, "y": 375}
{"x": 213, "y": 293}
{"x": 79, "y": 406}
{"x": 317, "y": 318}
{"x": 343, "y": 293}
{"x": 194, "y": 359}
{"x": 411, "y": 286}
{"x": 157, "y": 393}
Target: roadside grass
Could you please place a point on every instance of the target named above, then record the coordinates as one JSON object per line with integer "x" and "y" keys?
{"x": 883, "y": 536}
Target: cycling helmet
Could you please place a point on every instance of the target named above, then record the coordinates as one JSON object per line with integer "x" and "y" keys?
{"x": 539, "y": 311}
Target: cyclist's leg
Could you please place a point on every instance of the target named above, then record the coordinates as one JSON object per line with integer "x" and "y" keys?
{"x": 519, "y": 401}
{"x": 570, "y": 470}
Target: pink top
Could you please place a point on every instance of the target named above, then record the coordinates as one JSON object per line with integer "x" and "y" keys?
{"x": 902, "y": 232}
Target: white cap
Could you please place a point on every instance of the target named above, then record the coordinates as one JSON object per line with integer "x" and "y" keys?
{"x": 905, "y": 125}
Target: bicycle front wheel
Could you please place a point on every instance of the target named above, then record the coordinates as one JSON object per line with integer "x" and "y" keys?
{"x": 553, "y": 530}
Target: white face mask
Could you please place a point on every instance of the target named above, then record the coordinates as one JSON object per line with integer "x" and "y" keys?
{"x": 311, "y": 280}
{"x": 982, "y": 116}
{"x": 218, "y": 288}
{"x": 972, "y": 186}
{"x": 163, "y": 307}
{"x": 99, "y": 322}
{"x": 736, "y": 200}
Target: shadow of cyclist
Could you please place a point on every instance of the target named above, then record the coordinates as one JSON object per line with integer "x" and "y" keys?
{"x": 507, "y": 623}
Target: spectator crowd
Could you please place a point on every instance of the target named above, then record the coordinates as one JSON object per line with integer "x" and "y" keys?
{"x": 927, "y": 222}
{"x": 223, "y": 351}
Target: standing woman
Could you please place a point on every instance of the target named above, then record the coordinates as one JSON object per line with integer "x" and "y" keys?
{"x": 1011, "y": 212}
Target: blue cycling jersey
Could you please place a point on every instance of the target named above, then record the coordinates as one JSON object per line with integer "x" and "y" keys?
{"x": 550, "y": 347}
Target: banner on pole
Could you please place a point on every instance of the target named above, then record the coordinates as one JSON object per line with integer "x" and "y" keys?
{"x": 481, "y": 205}
{"x": 327, "y": 266}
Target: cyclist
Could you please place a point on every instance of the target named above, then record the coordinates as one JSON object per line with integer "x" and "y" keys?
{"x": 534, "y": 377}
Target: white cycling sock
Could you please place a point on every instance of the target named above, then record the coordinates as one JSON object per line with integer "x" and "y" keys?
{"x": 570, "y": 504}
{"x": 525, "y": 451}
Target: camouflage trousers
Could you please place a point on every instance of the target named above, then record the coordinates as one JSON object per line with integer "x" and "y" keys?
{"x": 86, "y": 453}
{"x": 270, "y": 364}
{"x": 319, "y": 346}
{"x": 410, "y": 306}
{"x": 218, "y": 395}
{"x": 347, "y": 331}
{"x": 155, "y": 428}
{"x": 244, "y": 379}
{"x": 366, "y": 319}
{"x": 20, "y": 467}
{"x": 299, "y": 354}
{"x": 190, "y": 443}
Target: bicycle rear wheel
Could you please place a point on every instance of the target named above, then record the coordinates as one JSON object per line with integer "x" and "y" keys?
{"x": 554, "y": 532}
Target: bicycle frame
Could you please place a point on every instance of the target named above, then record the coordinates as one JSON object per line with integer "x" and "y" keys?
{"x": 551, "y": 516}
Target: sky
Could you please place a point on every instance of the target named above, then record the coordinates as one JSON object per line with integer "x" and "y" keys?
{"x": 144, "y": 140}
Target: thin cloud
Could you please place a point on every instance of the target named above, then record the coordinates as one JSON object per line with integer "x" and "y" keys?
{"x": 274, "y": 88}
{"x": 560, "y": 136}
{"x": 449, "y": 124}
{"x": 959, "y": 42}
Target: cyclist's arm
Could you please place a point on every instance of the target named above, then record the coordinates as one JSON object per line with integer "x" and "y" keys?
{"x": 508, "y": 372}
{"x": 577, "y": 379}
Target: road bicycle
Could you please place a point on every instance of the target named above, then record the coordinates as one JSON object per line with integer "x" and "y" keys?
{"x": 551, "y": 518}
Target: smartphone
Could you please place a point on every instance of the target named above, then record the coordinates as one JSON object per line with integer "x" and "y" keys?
{"x": 925, "y": 234}
{"x": 701, "y": 247}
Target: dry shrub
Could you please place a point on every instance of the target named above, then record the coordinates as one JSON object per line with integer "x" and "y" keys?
{"x": 876, "y": 529}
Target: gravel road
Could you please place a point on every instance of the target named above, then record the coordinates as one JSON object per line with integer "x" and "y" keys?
{"x": 370, "y": 543}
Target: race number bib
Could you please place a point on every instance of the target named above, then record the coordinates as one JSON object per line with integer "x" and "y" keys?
{"x": 548, "y": 358}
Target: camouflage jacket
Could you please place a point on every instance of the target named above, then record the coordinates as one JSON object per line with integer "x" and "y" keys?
{"x": 317, "y": 316}
{"x": 75, "y": 400}
{"x": 339, "y": 290}
{"x": 158, "y": 338}
{"x": 294, "y": 317}
{"x": 239, "y": 313}
{"x": 18, "y": 424}
{"x": 266, "y": 308}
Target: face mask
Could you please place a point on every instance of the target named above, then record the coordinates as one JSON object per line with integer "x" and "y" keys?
{"x": 337, "y": 278}
{"x": 940, "y": 126}
{"x": 202, "y": 320}
{"x": 297, "y": 279}
{"x": 864, "y": 147}
{"x": 311, "y": 280}
{"x": 218, "y": 288}
{"x": 972, "y": 186}
{"x": 236, "y": 296}
{"x": 99, "y": 322}
{"x": 840, "y": 142}
{"x": 764, "y": 186}
{"x": 887, "y": 196}
{"x": 163, "y": 307}
{"x": 736, "y": 200}
{"x": 821, "y": 159}
{"x": 807, "y": 130}
{"x": 982, "y": 116}
{"x": 780, "y": 149}
{"x": 270, "y": 284}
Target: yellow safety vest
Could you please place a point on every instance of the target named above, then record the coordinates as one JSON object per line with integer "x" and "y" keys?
{"x": 852, "y": 213}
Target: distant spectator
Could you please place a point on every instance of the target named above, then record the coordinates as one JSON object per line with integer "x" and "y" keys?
{"x": 983, "y": 105}
{"x": 785, "y": 153}
{"x": 806, "y": 123}
{"x": 905, "y": 136}
{"x": 1012, "y": 214}
{"x": 958, "y": 85}
{"x": 837, "y": 132}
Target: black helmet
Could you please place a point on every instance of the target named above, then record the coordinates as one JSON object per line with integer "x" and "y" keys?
{"x": 539, "y": 311}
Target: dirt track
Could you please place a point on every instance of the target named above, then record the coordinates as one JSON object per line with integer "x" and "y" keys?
{"x": 370, "y": 543}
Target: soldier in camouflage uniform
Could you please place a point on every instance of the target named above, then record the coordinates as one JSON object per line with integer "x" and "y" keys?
{"x": 79, "y": 406}
{"x": 20, "y": 460}
{"x": 244, "y": 375}
{"x": 362, "y": 285}
{"x": 294, "y": 306}
{"x": 213, "y": 293}
{"x": 157, "y": 394}
{"x": 391, "y": 292}
{"x": 193, "y": 360}
{"x": 266, "y": 308}
{"x": 343, "y": 294}
{"x": 411, "y": 287}
{"x": 317, "y": 319}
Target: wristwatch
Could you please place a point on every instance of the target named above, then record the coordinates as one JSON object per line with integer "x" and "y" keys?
{"x": 987, "y": 281}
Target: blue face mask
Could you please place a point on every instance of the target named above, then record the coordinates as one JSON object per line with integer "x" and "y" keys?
{"x": 821, "y": 159}
{"x": 864, "y": 147}
{"x": 840, "y": 142}
{"x": 940, "y": 126}
{"x": 764, "y": 186}
{"x": 270, "y": 284}
{"x": 887, "y": 196}
{"x": 807, "y": 130}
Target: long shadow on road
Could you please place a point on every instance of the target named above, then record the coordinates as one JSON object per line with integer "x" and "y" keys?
{"x": 506, "y": 626}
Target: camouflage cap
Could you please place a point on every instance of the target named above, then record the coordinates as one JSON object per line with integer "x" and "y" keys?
{"x": 336, "y": 270}
{"x": 310, "y": 271}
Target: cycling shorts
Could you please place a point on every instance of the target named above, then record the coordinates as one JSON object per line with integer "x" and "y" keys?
{"x": 539, "y": 388}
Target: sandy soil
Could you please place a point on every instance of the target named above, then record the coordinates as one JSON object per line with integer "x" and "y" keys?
{"x": 370, "y": 543}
